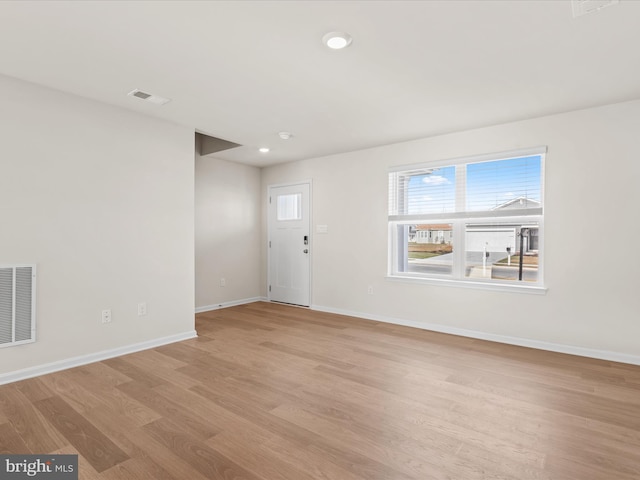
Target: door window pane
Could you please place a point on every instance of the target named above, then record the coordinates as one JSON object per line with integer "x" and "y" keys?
{"x": 289, "y": 206}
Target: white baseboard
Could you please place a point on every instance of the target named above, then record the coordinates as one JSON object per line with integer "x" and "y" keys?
{"x": 92, "y": 357}
{"x": 208, "y": 308}
{"x": 522, "y": 342}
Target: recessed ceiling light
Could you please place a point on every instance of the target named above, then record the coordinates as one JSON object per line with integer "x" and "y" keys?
{"x": 337, "y": 40}
{"x": 285, "y": 135}
{"x": 263, "y": 149}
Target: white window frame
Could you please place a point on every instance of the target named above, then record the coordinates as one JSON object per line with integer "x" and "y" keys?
{"x": 459, "y": 221}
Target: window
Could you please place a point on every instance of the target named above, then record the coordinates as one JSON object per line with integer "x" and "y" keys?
{"x": 289, "y": 207}
{"x": 470, "y": 220}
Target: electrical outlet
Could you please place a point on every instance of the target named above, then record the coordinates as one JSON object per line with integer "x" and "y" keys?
{"x": 223, "y": 282}
{"x": 106, "y": 315}
{"x": 142, "y": 309}
{"x": 370, "y": 290}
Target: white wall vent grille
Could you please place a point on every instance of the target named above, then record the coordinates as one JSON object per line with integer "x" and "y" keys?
{"x": 17, "y": 305}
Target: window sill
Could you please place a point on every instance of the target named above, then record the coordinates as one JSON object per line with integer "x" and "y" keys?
{"x": 500, "y": 287}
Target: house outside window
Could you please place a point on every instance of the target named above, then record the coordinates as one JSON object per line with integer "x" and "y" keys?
{"x": 476, "y": 220}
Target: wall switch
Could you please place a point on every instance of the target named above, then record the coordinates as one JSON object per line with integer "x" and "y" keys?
{"x": 142, "y": 309}
{"x": 106, "y": 315}
{"x": 223, "y": 282}
{"x": 370, "y": 290}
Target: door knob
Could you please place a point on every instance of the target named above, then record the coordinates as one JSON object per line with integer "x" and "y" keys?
{"x": 306, "y": 250}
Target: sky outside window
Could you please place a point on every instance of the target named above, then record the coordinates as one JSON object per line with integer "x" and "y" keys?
{"x": 489, "y": 185}
{"x": 433, "y": 192}
{"x": 492, "y": 184}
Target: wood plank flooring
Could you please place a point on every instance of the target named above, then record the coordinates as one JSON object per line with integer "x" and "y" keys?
{"x": 272, "y": 392}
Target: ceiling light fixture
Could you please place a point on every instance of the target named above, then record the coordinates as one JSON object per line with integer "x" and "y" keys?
{"x": 337, "y": 40}
{"x": 263, "y": 149}
{"x": 285, "y": 135}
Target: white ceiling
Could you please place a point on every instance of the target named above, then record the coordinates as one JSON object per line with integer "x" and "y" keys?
{"x": 245, "y": 70}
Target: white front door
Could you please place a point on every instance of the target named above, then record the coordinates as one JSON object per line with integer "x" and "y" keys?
{"x": 289, "y": 244}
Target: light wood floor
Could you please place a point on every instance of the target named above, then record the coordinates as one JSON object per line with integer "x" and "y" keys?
{"x": 270, "y": 392}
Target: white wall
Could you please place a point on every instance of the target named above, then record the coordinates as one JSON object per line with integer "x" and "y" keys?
{"x": 101, "y": 199}
{"x": 592, "y": 174}
{"x": 228, "y": 232}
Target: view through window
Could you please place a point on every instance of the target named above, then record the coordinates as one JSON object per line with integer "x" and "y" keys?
{"x": 476, "y": 219}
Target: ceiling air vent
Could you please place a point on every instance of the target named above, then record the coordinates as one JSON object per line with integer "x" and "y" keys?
{"x": 582, "y": 7}
{"x": 149, "y": 97}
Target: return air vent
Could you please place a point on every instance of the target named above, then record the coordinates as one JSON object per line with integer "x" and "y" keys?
{"x": 148, "y": 97}
{"x": 582, "y": 7}
{"x": 17, "y": 305}
{"x": 139, "y": 94}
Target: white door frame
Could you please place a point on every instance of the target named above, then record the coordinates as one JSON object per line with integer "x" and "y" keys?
{"x": 310, "y": 213}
